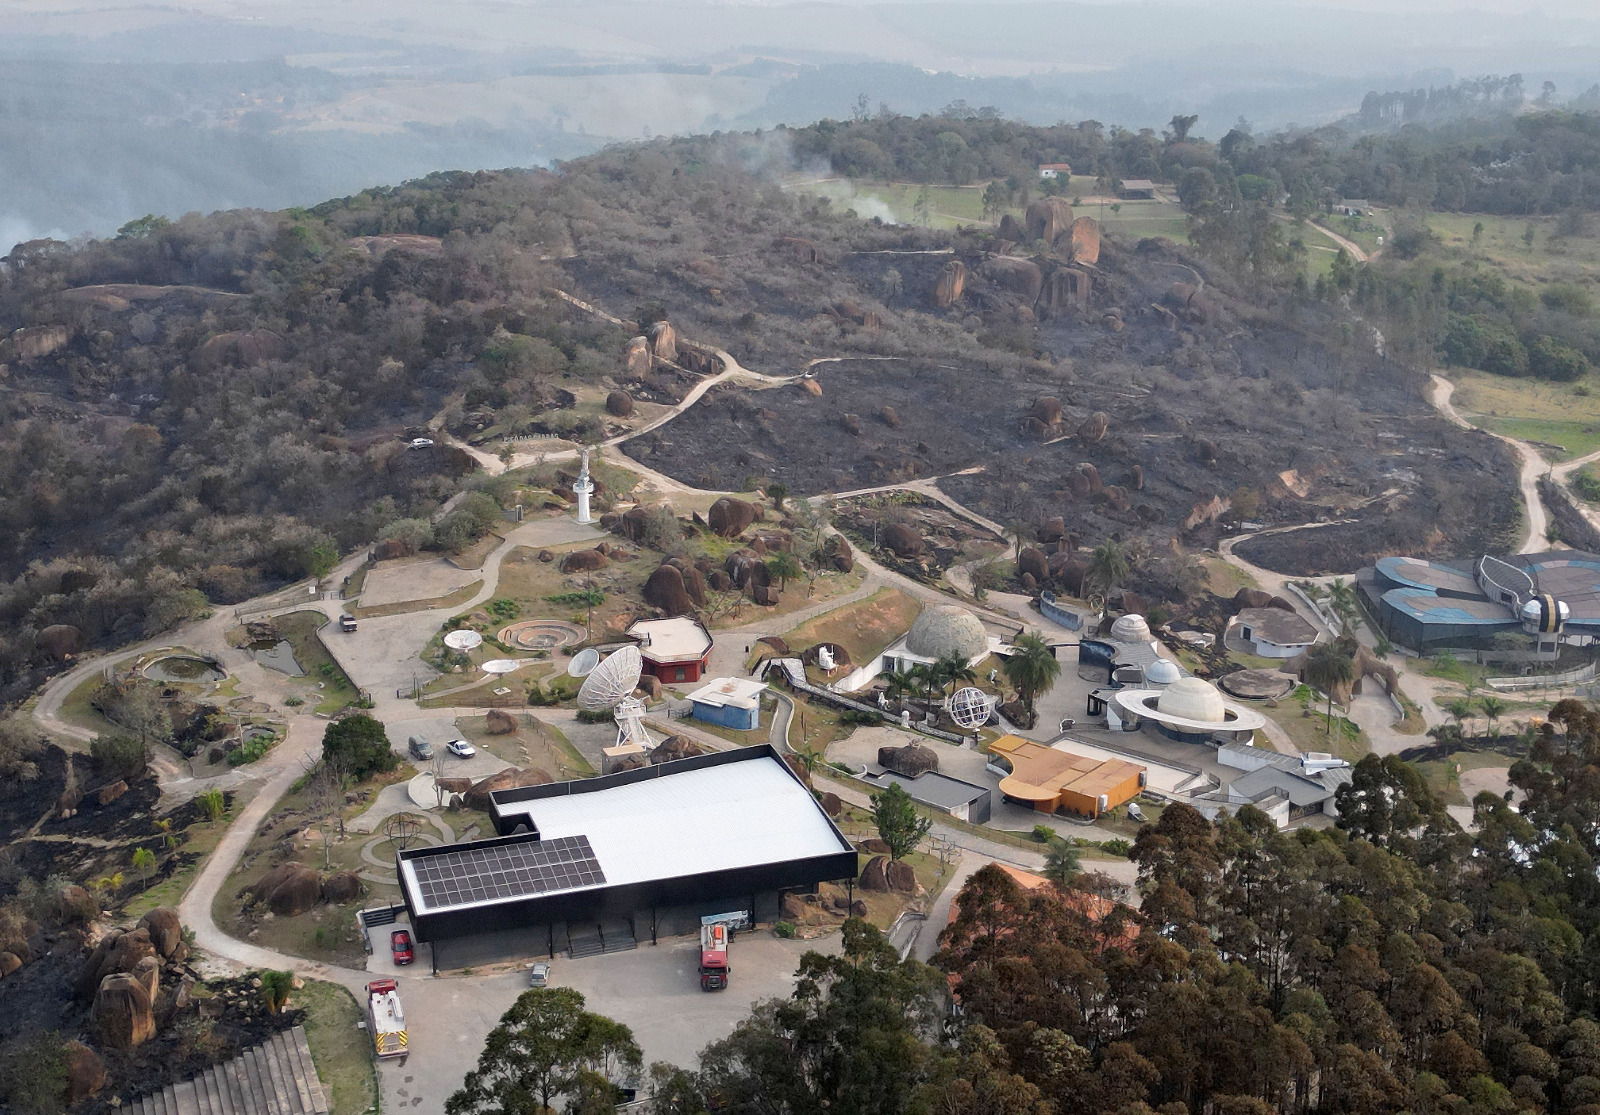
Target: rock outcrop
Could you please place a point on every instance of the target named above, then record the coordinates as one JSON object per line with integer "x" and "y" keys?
{"x": 342, "y": 887}
{"x": 731, "y": 517}
{"x": 1019, "y": 276}
{"x": 636, "y": 360}
{"x": 903, "y": 540}
{"x": 910, "y": 760}
{"x": 584, "y": 561}
{"x": 952, "y": 283}
{"x": 619, "y": 404}
{"x": 1047, "y": 218}
{"x": 665, "y": 590}
{"x": 86, "y": 1072}
{"x": 288, "y": 889}
{"x": 499, "y": 722}
{"x": 1085, "y": 240}
{"x": 60, "y": 641}
{"x": 805, "y": 251}
{"x": 1033, "y": 561}
{"x": 122, "y": 1011}
{"x": 510, "y": 778}
{"x": 164, "y": 929}
{"x": 663, "y": 341}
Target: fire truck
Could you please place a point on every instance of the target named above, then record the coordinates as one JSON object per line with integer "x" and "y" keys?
{"x": 386, "y": 1018}
{"x": 713, "y": 956}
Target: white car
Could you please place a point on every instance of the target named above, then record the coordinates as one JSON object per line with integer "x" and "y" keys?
{"x": 461, "y": 748}
{"x": 422, "y": 443}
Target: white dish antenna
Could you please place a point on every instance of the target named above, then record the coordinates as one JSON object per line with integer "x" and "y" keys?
{"x": 463, "y": 640}
{"x": 503, "y": 665}
{"x": 583, "y": 663}
{"x": 611, "y": 681}
{"x": 970, "y": 707}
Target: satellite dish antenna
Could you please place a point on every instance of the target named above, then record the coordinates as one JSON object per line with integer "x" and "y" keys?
{"x": 969, "y": 707}
{"x": 503, "y": 665}
{"x": 611, "y": 681}
{"x": 583, "y": 663}
{"x": 463, "y": 640}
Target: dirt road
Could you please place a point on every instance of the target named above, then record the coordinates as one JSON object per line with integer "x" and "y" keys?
{"x": 1533, "y": 467}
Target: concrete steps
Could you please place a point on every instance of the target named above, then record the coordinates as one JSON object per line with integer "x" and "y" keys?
{"x": 276, "y": 1077}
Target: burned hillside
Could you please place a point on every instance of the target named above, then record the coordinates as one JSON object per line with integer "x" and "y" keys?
{"x": 1149, "y": 408}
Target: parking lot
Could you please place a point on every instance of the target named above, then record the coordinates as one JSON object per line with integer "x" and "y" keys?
{"x": 655, "y": 990}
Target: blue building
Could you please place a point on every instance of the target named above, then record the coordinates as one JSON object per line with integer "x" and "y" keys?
{"x": 730, "y": 702}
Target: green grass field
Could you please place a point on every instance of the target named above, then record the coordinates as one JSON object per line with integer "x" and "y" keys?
{"x": 1548, "y": 414}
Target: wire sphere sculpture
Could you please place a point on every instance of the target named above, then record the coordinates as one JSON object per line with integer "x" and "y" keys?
{"x": 402, "y": 829}
{"x": 612, "y": 680}
{"x": 970, "y": 707}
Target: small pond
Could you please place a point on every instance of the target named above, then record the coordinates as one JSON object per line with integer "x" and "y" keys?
{"x": 277, "y": 656}
{"x": 182, "y": 667}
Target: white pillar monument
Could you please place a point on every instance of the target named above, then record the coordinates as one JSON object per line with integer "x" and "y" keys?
{"x": 583, "y": 489}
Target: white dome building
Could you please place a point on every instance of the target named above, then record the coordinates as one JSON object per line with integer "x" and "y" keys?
{"x": 1130, "y": 629}
{"x": 1162, "y": 673}
{"x": 945, "y": 630}
{"x": 1189, "y": 710}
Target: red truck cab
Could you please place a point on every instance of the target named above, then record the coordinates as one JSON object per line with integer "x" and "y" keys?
{"x": 713, "y": 957}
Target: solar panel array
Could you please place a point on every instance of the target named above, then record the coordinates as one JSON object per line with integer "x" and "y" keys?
{"x": 507, "y": 871}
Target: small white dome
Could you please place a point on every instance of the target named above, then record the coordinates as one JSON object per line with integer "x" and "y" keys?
{"x": 946, "y": 629}
{"x": 1192, "y": 699}
{"x": 1163, "y": 671}
{"x": 1130, "y": 629}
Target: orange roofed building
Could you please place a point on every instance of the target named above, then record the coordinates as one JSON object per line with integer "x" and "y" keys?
{"x": 1051, "y": 780}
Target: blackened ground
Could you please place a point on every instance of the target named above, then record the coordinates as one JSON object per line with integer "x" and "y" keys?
{"x": 1202, "y": 409}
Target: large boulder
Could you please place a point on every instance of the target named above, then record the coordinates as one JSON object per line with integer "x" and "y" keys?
{"x": 831, "y": 804}
{"x": 74, "y": 905}
{"x": 952, "y": 282}
{"x": 1047, "y": 218}
{"x": 453, "y": 785}
{"x": 741, "y": 566}
{"x": 636, "y": 359}
{"x": 86, "y": 1072}
{"x": 875, "y": 876}
{"x": 1019, "y": 276}
{"x": 889, "y": 417}
{"x": 122, "y": 1011}
{"x": 800, "y": 249}
{"x": 342, "y": 887}
{"x": 838, "y": 553}
{"x": 694, "y": 583}
{"x": 239, "y": 349}
{"x": 731, "y": 517}
{"x": 1251, "y": 598}
{"x": 110, "y": 793}
{"x": 902, "y": 539}
{"x": 1085, "y": 240}
{"x": 584, "y": 561}
{"x": 900, "y": 877}
{"x": 59, "y": 641}
{"x": 1053, "y": 530}
{"x": 1033, "y": 561}
{"x": 499, "y": 722}
{"x": 872, "y": 846}
{"x": 165, "y": 930}
{"x": 288, "y": 890}
{"x": 675, "y": 747}
{"x": 1011, "y": 229}
{"x": 1094, "y": 427}
{"x": 663, "y": 341}
{"x": 665, "y": 590}
{"x": 9, "y": 962}
{"x": 650, "y": 688}
{"x": 1046, "y": 409}
{"x": 911, "y": 760}
{"x": 619, "y": 404}
{"x": 508, "y": 779}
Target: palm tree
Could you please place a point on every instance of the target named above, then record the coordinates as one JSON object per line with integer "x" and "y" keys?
{"x": 1460, "y": 709}
{"x": 784, "y": 565}
{"x": 927, "y": 679}
{"x": 953, "y": 669}
{"x": 900, "y": 684}
{"x": 1328, "y": 667}
{"x": 1060, "y": 862}
{"x": 1109, "y": 566}
{"x": 1493, "y": 708}
{"x": 1342, "y": 599}
{"x": 1032, "y": 667}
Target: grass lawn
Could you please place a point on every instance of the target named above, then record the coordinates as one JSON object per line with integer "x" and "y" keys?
{"x": 1501, "y": 246}
{"x": 1309, "y": 731}
{"x": 528, "y": 581}
{"x": 300, "y": 629}
{"x": 76, "y": 709}
{"x": 1224, "y": 579}
{"x": 1363, "y": 230}
{"x": 199, "y": 841}
{"x": 400, "y": 607}
{"x": 534, "y": 743}
{"x": 341, "y": 1051}
{"x": 796, "y": 597}
{"x": 483, "y": 694}
{"x": 1448, "y": 668}
{"x": 476, "y": 554}
{"x": 1443, "y": 776}
{"x": 1553, "y": 414}
{"x": 864, "y": 628}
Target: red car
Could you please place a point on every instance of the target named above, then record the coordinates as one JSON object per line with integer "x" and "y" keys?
{"x": 400, "y": 945}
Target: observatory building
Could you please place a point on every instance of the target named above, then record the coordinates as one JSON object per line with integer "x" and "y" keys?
{"x": 1552, "y": 599}
{"x": 1189, "y": 710}
{"x": 675, "y": 649}
{"x": 941, "y": 630}
{"x": 637, "y": 854}
{"x": 1125, "y": 654}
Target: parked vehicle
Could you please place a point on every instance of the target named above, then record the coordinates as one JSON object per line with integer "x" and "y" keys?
{"x": 713, "y": 957}
{"x": 420, "y": 748}
{"x": 461, "y": 748}
{"x": 386, "y": 1018}
{"x": 422, "y": 443}
{"x": 347, "y": 622}
{"x": 539, "y": 975}
{"x": 400, "y": 946}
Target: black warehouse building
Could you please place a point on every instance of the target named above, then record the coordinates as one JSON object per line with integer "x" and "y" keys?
{"x": 595, "y": 864}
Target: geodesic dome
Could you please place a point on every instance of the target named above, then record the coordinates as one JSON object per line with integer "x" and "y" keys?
{"x": 946, "y": 629}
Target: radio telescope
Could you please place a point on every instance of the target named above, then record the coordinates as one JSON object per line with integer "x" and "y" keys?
{"x": 463, "y": 640}
{"x": 969, "y": 707}
{"x": 583, "y": 663}
{"x": 611, "y": 681}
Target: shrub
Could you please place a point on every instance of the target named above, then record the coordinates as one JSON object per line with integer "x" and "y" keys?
{"x": 1557, "y": 360}
{"x": 592, "y": 597}
{"x": 784, "y": 929}
{"x": 503, "y": 607}
{"x": 294, "y": 702}
{"x": 251, "y": 751}
{"x": 1117, "y": 847}
{"x": 213, "y": 804}
{"x": 118, "y": 757}
{"x": 594, "y": 716}
{"x": 358, "y": 745}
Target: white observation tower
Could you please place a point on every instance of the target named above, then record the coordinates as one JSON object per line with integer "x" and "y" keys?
{"x": 583, "y": 488}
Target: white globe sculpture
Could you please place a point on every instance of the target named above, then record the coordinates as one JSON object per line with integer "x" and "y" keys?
{"x": 969, "y": 707}
{"x": 611, "y": 681}
{"x": 583, "y": 663}
{"x": 463, "y": 640}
